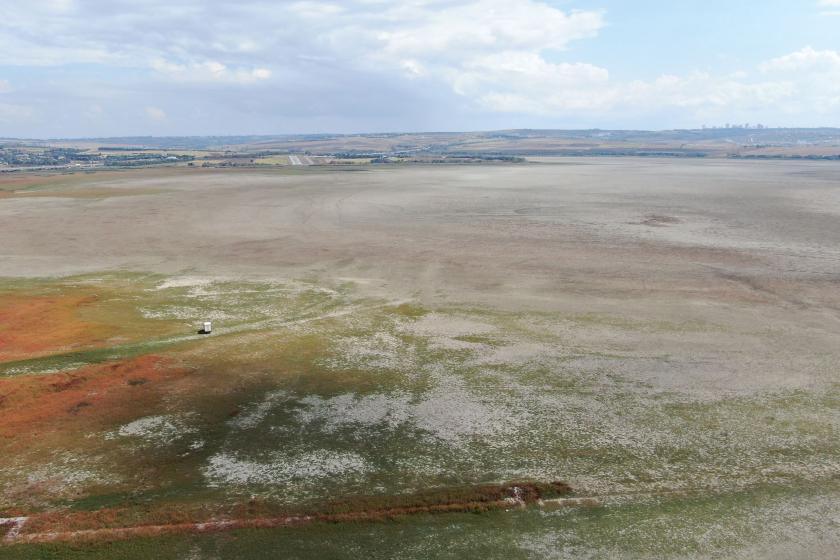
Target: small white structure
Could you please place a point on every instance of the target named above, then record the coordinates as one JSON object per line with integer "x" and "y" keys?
{"x": 208, "y": 327}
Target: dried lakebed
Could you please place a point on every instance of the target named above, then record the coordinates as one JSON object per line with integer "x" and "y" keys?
{"x": 661, "y": 336}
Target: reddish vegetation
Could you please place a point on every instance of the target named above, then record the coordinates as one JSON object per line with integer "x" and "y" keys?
{"x": 39, "y": 325}
{"x": 106, "y": 524}
{"x": 103, "y": 393}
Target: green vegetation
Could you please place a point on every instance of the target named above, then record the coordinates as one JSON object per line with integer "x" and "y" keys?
{"x": 312, "y": 398}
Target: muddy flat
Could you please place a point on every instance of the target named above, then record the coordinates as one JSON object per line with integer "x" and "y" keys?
{"x": 661, "y": 335}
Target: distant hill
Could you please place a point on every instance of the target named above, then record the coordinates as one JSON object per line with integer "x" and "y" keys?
{"x": 708, "y": 142}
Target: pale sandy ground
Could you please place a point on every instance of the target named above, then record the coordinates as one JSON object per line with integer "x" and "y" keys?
{"x": 749, "y": 252}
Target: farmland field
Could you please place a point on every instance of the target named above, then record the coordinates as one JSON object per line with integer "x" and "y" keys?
{"x": 566, "y": 358}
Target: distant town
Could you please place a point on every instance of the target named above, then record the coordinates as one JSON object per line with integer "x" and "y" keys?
{"x": 742, "y": 141}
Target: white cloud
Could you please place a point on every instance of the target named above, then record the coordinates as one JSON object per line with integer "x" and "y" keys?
{"x": 261, "y": 73}
{"x": 427, "y": 30}
{"x": 156, "y": 114}
{"x": 806, "y": 59}
{"x": 315, "y": 9}
{"x": 522, "y": 81}
{"x": 209, "y": 71}
{"x": 565, "y": 92}
{"x": 832, "y": 6}
{"x": 318, "y": 46}
{"x": 816, "y": 78}
{"x": 357, "y": 61}
{"x": 195, "y": 34}
{"x": 805, "y": 81}
{"x": 471, "y": 47}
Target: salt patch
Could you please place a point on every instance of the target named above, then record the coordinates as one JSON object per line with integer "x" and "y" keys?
{"x": 185, "y": 313}
{"x": 448, "y": 413}
{"x": 67, "y": 472}
{"x": 184, "y": 282}
{"x": 256, "y": 413}
{"x": 346, "y": 410}
{"x": 154, "y": 429}
{"x": 379, "y": 351}
{"x": 443, "y": 331}
{"x": 451, "y": 413}
{"x": 438, "y": 324}
{"x": 228, "y": 469}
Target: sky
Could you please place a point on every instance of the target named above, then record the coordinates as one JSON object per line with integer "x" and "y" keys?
{"x": 90, "y": 68}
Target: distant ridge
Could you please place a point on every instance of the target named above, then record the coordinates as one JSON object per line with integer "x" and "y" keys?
{"x": 739, "y": 142}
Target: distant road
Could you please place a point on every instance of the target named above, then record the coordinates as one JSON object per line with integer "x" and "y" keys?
{"x": 295, "y": 160}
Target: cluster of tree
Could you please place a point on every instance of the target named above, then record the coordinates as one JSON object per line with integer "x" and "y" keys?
{"x": 358, "y": 155}
{"x": 30, "y": 156}
{"x": 447, "y": 159}
{"x": 247, "y": 155}
{"x": 143, "y": 159}
{"x": 428, "y": 157}
{"x": 485, "y": 157}
{"x": 230, "y": 163}
{"x": 786, "y": 156}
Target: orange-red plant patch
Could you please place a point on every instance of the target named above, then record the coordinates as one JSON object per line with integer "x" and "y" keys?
{"x": 93, "y": 396}
{"x": 39, "y": 325}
